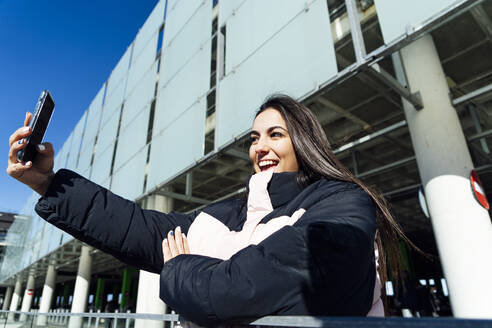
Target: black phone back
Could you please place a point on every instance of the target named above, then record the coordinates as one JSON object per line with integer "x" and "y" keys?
{"x": 39, "y": 124}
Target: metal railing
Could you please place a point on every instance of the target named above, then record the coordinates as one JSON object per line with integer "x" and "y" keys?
{"x": 62, "y": 318}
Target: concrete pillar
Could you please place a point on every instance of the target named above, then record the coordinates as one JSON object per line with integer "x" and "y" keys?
{"x": 462, "y": 227}
{"x": 81, "y": 291}
{"x": 148, "y": 300}
{"x": 28, "y": 296}
{"x": 14, "y": 304}
{"x": 7, "y": 298}
{"x": 47, "y": 296}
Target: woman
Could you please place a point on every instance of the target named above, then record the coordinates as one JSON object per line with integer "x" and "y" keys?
{"x": 302, "y": 243}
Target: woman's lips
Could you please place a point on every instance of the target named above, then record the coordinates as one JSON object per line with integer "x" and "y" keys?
{"x": 267, "y": 167}
{"x": 267, "y": 164}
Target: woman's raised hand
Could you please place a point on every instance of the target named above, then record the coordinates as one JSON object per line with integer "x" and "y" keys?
{"x": 37, "y": 175}
{"x": 175, "y": 244}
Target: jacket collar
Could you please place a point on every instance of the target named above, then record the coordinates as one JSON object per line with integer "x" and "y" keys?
{"x": 282, "y": 188}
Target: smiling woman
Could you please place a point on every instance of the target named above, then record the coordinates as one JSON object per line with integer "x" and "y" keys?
{"x": 303, "y": 243}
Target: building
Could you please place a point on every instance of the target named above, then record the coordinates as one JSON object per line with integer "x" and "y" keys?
{"x": 402, "y": 89}
{"x": 6, "y": 220}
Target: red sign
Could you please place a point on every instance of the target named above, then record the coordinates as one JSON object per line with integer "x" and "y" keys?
{"x": 478, "y": 190}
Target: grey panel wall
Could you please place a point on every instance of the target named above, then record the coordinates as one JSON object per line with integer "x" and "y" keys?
{"x": 74, "y": 150}
{"x": 263, "y": 54}
{"x": 141, "y": 96}
{"x": 396, "y": 16}
{"x": 61, "y": 159}
{"x": 145, "y": 47}
{"x": 128, "y": 180}
{"x": 94, "y": 114}
{"x": 183, "y": 84}
{"x": 179, "y": 145}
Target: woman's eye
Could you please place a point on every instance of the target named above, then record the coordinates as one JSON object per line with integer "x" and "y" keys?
{"x": 275, "y": 134}
{"x": 253, "y": 139}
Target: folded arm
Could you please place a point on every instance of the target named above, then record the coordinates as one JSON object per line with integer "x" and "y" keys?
{"x": 106, "y": 221}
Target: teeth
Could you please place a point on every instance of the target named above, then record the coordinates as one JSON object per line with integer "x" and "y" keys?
{"x": 265, "y": 163}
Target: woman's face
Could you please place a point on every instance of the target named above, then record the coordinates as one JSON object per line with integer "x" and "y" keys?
{"x": 271, "y": 146}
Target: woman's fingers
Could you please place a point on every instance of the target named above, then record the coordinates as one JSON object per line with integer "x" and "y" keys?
{"x": 17, "y": 169}
{"x": 179, "y": 240}
{"x": 27, "y": 119}
{"x": 16, "y": 143}
{"x": 172, "y": 243}
{"x": 14, "y": 148}
{"x": 19, "y": 134}
{"x": 185, "y": 245}
{"x": 46, "y": 149}
{"x": 175, "y": 244}
{"x": 166, "y": 252}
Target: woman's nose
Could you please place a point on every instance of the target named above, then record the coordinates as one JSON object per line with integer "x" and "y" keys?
{"x": 261, "y": 152}
{"x": 261, "y": 147}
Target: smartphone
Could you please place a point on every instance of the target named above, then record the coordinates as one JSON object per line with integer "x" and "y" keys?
{"x": 39, "y": 124}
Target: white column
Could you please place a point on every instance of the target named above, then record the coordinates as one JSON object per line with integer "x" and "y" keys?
{"x": 7, "y": 298}
{"x": 148, "y": 300}
{"x": 82, "y": 283}
{"x": 462, "y": 227}
{"x": 47, "y": 296}
{"x": 14, "y": 304}
{"x": 28, "y": 295}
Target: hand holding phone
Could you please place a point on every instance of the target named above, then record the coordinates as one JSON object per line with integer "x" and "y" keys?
{"x": 39, "y": 124}
{"x": 39, "y": 173}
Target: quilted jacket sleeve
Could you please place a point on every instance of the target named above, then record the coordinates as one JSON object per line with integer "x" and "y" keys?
{"x": 106, "y": 221}
{"x": 323, "y": 265}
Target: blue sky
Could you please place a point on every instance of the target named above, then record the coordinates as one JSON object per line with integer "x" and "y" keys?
{"x": 68, "y": 47}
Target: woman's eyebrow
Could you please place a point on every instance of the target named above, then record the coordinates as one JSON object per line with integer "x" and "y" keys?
{"x": 276, "y": 127}
{"x": 270, "y": 129}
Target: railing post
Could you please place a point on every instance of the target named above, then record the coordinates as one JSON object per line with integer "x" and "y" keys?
{"x": 97, "y": 319}
{"x": 115, "y": 320}
{"x": 89, "y": 319}
{"x": 127, "y": 322}
{"x": 33, "y": 316}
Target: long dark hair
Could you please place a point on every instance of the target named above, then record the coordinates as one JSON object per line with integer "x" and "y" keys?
{"x": 316, "y": 160}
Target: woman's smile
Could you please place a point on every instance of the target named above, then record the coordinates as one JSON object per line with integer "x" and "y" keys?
{"x": 267, "y": 164}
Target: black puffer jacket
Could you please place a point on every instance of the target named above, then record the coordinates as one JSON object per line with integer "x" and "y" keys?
{"x": 323, "y": 264}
